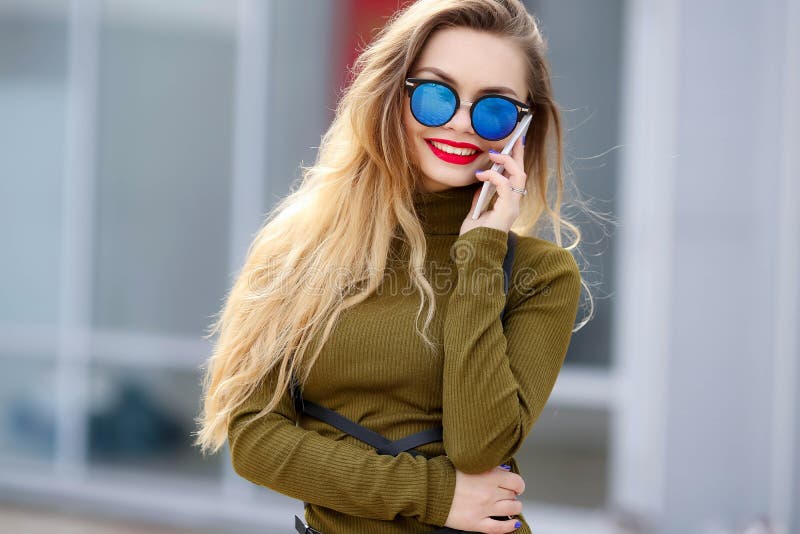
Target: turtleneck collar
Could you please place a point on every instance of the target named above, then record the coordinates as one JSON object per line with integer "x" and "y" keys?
{"x": 443, "y": 212}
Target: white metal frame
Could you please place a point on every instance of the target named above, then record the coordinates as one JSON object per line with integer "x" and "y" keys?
{"x": 75, "y": 270}
{"x": 644, "y": 248}
{"x": 250, "y": 143}
{"x": 787, "y": 311}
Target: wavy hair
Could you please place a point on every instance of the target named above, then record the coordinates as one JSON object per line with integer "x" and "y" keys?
{"x": 324, "y": 247}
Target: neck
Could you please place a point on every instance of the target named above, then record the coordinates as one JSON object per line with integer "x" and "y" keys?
{"x": 443, "y": 212}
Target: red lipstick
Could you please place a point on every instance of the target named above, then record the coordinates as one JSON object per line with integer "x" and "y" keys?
{"x": 453, "y": 158}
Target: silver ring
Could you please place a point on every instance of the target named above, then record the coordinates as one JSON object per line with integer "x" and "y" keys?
{"x": 523, "y": 191}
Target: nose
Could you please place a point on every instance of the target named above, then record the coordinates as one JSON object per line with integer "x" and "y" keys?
{"x": 461, "y": 121}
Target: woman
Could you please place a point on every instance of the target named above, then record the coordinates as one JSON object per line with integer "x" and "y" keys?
{"x": 378, "y": 236}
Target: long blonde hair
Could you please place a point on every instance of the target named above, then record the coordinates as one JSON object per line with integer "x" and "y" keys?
{"x": 352, "y": 203}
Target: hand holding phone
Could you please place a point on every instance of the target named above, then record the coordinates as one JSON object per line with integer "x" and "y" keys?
{"x": 488, "y": 188}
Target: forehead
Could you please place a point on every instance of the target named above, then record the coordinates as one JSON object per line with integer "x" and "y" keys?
{"x": 475, "y": 59}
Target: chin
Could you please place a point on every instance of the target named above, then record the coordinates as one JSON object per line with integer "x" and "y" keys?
{"x": 442, "y": 175}
{"x": 439, "y": 175}
{"x": 445, "y": 180}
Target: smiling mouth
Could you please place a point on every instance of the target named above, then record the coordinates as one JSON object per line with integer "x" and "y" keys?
{"x": 450, "y": 154}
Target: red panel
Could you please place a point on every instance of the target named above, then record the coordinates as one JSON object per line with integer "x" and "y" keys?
{"x": 359, "y": 21}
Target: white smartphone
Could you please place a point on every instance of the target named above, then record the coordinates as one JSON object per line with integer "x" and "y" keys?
{"x": 488, "y": 188}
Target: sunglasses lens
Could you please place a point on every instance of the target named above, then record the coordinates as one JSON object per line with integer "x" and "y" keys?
{"x": 433, "y": 104}
{"x": 494, "y": 118}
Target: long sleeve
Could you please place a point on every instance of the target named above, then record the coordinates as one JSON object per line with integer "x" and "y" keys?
{"x": 497, "y": 382}
{"x": 272, "y": 451}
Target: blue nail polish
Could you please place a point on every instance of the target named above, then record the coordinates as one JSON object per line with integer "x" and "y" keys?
{"x": 504, "y": 466}
{"x": 478, "y": 172}
{"x": 493, "y": 151}
{"x": 517, "y": 524}
{"x": 523, "y": 140}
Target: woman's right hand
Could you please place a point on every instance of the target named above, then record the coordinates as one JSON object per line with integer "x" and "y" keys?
{"x": 478, "y": 497}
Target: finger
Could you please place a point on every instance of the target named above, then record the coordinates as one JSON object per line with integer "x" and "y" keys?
{"x": 510, "y": 165}
{"x": 503, "y": 493}
{"x": 507, "y": 507}
{"x": 502, "y": 183}
{"x": 513, "y": 482}
{"x": 494, "y": 526}
{"x": 508, "y": 202}
{"x": 513, "y": 164}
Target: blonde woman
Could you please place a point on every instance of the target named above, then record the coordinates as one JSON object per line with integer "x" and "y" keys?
{"x": 370, "y": 291}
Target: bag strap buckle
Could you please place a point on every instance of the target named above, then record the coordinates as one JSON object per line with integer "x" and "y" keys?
{"x": 301, "y": 527}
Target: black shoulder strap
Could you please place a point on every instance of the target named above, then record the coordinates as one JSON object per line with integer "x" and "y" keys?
{"x": 508, "y": 263}
{"x": 381, "y": 444}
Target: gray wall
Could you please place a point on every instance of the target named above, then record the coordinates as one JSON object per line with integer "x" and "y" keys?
{"x": 727, "y": 173}
{"x": 299, "y": 87}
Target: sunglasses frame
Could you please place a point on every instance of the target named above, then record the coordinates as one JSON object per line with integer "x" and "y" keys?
{"x": 411, "y": 85}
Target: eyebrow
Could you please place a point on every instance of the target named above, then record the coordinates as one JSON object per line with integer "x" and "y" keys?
{"x": 494, "y": 89}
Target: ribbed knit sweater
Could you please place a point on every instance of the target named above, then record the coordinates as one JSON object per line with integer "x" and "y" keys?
{"x": 486, "y": 385}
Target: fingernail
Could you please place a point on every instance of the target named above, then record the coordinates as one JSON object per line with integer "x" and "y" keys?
{"x": 506, "y": 467}
{"x": 517, "y": 524}
{"x": 523, "y": 140}
{"x": 493, "y": 151}
{"x": 478, "y": 171}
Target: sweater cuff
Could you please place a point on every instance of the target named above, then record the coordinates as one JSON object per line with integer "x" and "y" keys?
{"x": 481, "y": 246}
{"x": 442, "y": 487}
{"x": 478, "y": 255}
{"x": 484, "y": 234}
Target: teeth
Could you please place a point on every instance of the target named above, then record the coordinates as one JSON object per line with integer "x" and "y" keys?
{"x": 453, "y": 150}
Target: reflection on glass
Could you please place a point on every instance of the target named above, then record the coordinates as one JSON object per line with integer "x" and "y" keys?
{"x": 143, "y": 419}
{"x": 32, "y": 138}
{"x": 27, "y": 415}
{"x": 585, "y": 51}
{"x": 564, "y": 460}
{"x": 163, "y": 177}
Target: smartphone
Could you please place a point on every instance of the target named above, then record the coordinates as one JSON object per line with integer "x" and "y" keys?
{"x": 488, "y": 188}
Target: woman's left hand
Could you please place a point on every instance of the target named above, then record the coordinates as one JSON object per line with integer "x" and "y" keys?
{"x": 506, "y": 207}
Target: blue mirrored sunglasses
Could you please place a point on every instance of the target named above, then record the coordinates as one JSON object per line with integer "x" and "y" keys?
{"x": 434, "y": 103}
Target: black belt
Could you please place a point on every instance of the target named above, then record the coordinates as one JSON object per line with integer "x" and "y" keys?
{"x": 301, "y": 527}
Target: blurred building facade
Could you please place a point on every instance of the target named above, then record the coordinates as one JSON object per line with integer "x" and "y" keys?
{"x": 142, "y": 142}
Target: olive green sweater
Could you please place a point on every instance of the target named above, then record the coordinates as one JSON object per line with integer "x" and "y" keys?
{"x": 486, "y": 385}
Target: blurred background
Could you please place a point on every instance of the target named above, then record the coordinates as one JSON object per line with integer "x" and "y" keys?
{"x": 142, "y": 142}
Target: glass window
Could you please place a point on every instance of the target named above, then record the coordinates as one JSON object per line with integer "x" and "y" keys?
{"x": 163, "y": 175}
{"x": 141, "y": 419}
{"x": 298, "y": 109}
{"x": 585, "y": 51}
{"x": 567, "y": 453}
{"x": 27, "y": 408}
{"x": 32, "y": 107}
{"x": 564, "y": 460}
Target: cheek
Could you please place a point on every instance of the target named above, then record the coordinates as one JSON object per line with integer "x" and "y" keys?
{"x": 412, "y": 131}
{"x": 409, "y": 123}
{"x": 496, "y": 145}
